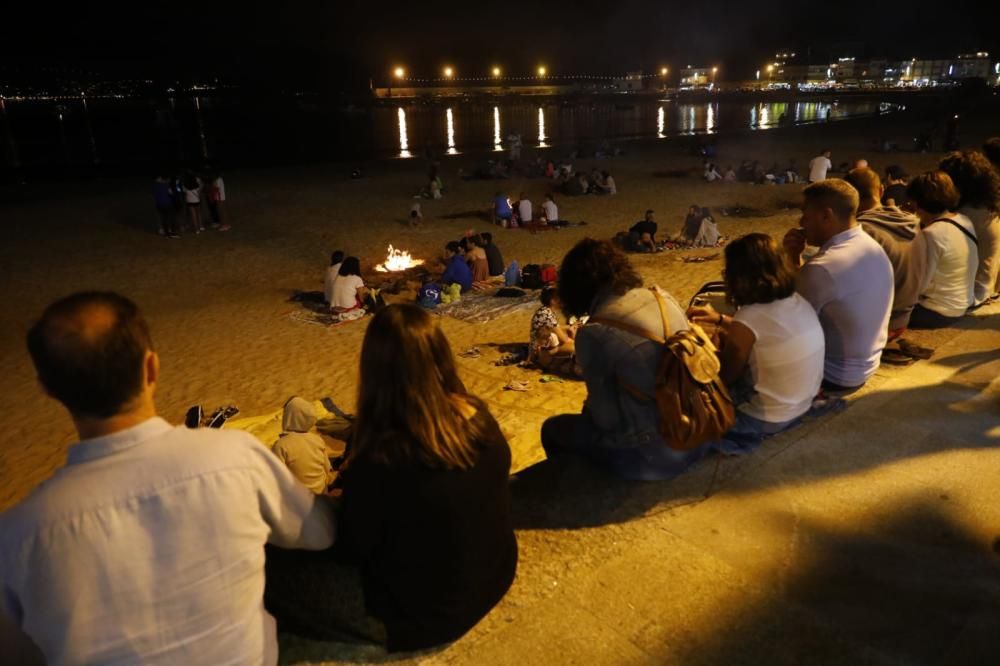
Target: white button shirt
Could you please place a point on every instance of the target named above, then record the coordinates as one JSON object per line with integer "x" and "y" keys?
{"x": 148, "y": 547}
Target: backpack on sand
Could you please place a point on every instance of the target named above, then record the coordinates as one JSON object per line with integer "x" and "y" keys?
{"x": 692, "y": 402}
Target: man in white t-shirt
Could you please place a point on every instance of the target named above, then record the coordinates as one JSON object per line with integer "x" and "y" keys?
{"x": 550, "y": 209}
{"x": 524, "y": 209}
{"x": 849, "y": 282}
{"x": 819, "y": 166}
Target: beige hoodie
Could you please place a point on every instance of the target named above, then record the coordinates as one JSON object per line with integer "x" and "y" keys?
{"x": 303, "y": 451}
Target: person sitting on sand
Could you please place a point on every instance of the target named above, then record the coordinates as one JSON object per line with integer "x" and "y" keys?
{"x": 416, "y": 218}
{"x": 332, "y": 272}
{"x": 692, "y": 226}
{"x": 952, "y": 255}
{"x": 606, "y": 185}
{"x": 712, "y": 174}
{"x": 771, "y": 350}
{"x": 550, "y": 344}
{"x": 848, "y": 282}
{"x": 576, "y": 185}
{"x": 642, "y": 234}
{"x": 476, "y": 258}
{"x": 615, "y": 429}
{"x": 425, "y": 541}
{"x": 493, "y": 255}
{"x": 456, "y": 269}
{"x": 301, "y": 448}
{"x": 349, "y": 289}
{"x": 708, "y": 232}
{"x": 550, "y": 211}
{"x": 730, "y": 175}
{"x": 502, "y": 211}
{"x": 524, "y": 212}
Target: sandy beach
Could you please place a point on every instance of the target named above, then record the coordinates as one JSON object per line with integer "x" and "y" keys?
{"x": 218, "y": 302}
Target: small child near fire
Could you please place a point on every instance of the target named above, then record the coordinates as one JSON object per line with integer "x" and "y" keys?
{"x": 551, "y": 346}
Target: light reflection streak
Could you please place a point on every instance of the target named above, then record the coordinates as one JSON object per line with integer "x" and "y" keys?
{"x": 541, "y": 128}
{"x": 660, "y": 122}
{"x": 451, "y": 132}
{"x": 404, "y": 142}
{"x": 497, "y": 142}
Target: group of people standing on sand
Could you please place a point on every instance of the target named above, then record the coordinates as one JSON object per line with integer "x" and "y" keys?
{"x": 152, "y": 542}
{"x": 179, "y": 199}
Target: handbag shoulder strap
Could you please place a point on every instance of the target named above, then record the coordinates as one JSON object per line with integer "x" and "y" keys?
{"x": 958, "y": 226}
{"x": 636, "y": 330}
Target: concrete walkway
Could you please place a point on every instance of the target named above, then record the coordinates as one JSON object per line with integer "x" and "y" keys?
{"x": 871, "y": 536}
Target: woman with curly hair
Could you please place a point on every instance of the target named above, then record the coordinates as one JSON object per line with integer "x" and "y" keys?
{"x": 615, "y": 429}
{"x": 772, "y": 349}
{"x": 978, "y": 184}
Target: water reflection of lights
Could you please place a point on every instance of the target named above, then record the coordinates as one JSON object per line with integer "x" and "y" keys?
{"x": 404, "y": 142}
{"x": 710, "y": 122}
{"x": 497, "y": 143}
{"x": 765, "y": 115}
{"x": 451, "y": 132}
{"x": 541, "y": 128}
{"x": 659, "y": 123}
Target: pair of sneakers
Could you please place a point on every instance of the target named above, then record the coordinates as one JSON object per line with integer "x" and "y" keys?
{"x": 195, "y": 417}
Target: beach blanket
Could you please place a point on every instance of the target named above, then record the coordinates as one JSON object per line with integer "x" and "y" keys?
{"x": 479, "y": 307}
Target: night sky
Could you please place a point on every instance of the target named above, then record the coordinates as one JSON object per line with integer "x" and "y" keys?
{"x": 313, "y": 42}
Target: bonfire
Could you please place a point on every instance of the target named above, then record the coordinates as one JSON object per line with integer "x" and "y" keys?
{"x": 398, "y": 260}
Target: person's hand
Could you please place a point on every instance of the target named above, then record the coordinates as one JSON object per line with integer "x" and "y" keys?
{"x": 703, "y": 314}
{"x": 794, "y": 243}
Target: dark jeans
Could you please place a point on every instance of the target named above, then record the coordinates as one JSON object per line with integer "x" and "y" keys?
{"x": 168, "y": 219}
{"x": 925, "y": 318}
{"x": 575, "y": 434}
{"x": 310, "y": 595}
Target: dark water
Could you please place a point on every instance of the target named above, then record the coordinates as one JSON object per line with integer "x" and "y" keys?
{"x": 249, "y": 131}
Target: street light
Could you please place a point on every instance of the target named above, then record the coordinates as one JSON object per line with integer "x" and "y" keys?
{"x": 715, "y": 70}
{"x": 496, "y": 72}
{"x": 448, "y": 72}
{"x": 770, "y": 72}
{"x": 663, "y": 71}
{"x": 399, "y": 72}
{"x": 542, "y": 71}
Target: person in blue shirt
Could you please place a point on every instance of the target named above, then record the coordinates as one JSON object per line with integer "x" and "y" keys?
{"x": 456, "y": 270}
{"x": 501, "y": 208}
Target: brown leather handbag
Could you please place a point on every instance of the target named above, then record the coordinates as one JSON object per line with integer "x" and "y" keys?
{"x": 693, "y": 404}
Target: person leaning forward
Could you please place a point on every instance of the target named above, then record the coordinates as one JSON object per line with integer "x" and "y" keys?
{"x": 148, "y": 545}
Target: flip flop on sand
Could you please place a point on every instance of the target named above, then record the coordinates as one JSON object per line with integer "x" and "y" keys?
{"x": 517, "y": 385}
{"x": 471, "y": 352}
{"x": 545, "y": 379}
{"x": 913, "y": 350}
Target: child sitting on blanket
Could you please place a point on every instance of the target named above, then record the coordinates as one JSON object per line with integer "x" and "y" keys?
{"x": 551, "y": 345}
{"x": 301, "y": 448}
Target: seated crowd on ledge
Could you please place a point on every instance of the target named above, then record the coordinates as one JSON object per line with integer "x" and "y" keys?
{"x": 157, "y": 543}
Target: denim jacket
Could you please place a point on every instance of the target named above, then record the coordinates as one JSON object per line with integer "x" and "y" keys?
{"x": 609, "y": 356}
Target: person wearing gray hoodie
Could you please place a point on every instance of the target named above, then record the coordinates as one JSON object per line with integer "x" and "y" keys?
{"x": 898, "y": 232}
{"x": 302, "y": 449}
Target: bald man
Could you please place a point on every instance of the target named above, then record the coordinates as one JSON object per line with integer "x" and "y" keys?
{"x": 148, "y": 545}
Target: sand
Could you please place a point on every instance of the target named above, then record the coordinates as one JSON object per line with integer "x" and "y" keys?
{"x": 217, "y": 302}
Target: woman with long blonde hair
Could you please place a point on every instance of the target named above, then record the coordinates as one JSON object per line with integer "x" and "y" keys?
{"x": 425, "y": 508}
